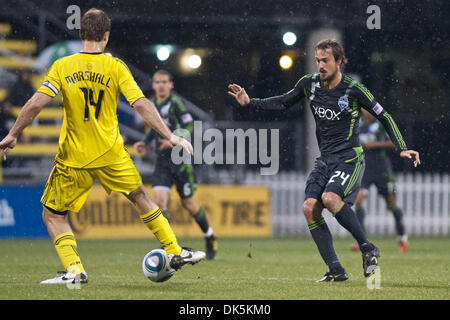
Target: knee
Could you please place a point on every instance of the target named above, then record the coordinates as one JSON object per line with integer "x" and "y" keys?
{"x": 390, "y": 202}
{"x": 161, "y": 204}
{"x": 185, "y": 203}
{"x": 159, "y": 201}
{"x": 49, "y": 217}
{"x": 332, "y": 201}
{"x": 360, "y": 198}
{"x": 390, "y": 205}
{"x": 308, "y": 210}
{"x": 190, "y": 205}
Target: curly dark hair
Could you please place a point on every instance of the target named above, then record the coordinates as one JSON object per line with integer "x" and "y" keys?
{"x": 336, "y": 48}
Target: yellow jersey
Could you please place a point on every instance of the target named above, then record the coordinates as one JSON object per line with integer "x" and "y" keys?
{"x": 91, "y": 84}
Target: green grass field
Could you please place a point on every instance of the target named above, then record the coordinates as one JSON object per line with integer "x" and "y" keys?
{"x": 269, "y": 269}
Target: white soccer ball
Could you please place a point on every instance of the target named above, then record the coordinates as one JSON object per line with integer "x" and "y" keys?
{"x": 156, "y": 266}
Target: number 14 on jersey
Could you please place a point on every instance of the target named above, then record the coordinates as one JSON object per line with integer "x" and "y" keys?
{"x": 89, "y": 100}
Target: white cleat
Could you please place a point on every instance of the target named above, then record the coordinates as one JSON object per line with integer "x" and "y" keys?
{"x": 68, "y": 277}
{"x": 186, "y": 256}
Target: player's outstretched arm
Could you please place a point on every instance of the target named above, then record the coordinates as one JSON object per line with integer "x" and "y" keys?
{"x": 27, "y": 114}
{"x": 394, "y": 133}
{"x": 369, "y": 103}
{"x": 389, "y": 124}
{"x": 150, "y": 114}
{"x": 281, "y": 102}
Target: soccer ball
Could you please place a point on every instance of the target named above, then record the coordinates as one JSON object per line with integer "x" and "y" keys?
{"x": 156, "y": 266}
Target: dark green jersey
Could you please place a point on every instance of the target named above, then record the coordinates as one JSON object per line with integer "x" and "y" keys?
{"x": 336, "y": 111}
{"x": 175, "y": 115}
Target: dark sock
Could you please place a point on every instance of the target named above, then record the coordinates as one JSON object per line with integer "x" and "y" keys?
{"x": 324, "y": 241}
{"x": 200, "y": 218}
{"x": 360, "y": 214}
{"x": 398, "y": 216}
{"x": 347, "y": 218}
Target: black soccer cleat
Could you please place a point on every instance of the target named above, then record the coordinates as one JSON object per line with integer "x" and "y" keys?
{"x": 334, "y": 277}
{"x": 370, "y": 261}
{"x": 211, "y": 247}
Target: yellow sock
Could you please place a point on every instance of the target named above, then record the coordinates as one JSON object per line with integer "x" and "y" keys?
{"x": 155, "y": 221}
{"x": 66, "y": 247}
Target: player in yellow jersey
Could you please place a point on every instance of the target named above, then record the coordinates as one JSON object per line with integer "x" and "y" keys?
{"x": 91, "y": 147}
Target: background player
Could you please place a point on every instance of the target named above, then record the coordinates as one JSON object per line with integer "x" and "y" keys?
{"x": 336, "y": 101}
{"x": 175, "y": 115}
{"x": 91, "y": 147}
{"x": 379, "y": 172}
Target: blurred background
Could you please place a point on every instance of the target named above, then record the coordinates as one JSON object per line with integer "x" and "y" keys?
{"x": 265, "y": 46}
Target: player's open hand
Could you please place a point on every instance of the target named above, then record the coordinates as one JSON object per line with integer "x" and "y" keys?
{"x": 140, "y": 146}
{"x": 239, "y": 94}
{"x": 411, "y": 154}
{"x": 7, "y": 144}
{"x": 186, "y": 145}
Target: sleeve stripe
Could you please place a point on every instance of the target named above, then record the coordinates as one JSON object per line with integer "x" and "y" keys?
{"x": 51, "y": 87}
{"x": 365, "y": 91}
{"x": 397, "y": 133}
{"x": 361, "y": 87}
{"x": 309, "y": 75}
{"x": 180, "y": 104}
{"x": 392, "y": 124}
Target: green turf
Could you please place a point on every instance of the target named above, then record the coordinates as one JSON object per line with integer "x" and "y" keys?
{"x": 271, "y": 269}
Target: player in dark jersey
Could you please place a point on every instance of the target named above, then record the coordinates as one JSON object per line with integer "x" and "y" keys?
{"x": 336, "y": 101}
{"x": 379, "y": 172}
{"x": 175, "y": 115}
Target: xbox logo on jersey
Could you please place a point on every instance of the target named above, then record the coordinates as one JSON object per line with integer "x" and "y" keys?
{"x": 328, "y": 114}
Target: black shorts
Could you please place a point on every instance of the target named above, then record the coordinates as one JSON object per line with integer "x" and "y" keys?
{"x": 167, "y": 174}
{"x": 338, "y": 173}
{"x": 382, "y": 178}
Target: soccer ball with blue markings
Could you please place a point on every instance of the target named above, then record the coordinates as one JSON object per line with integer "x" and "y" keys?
{"x": 156, "y": 266}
